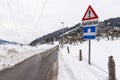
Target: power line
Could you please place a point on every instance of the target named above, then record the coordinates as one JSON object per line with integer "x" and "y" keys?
{"x": 10, "y": 8}
{"x": 39, "y": 18}
{"x": 11, "y": 13}
{"x": 41, "y": 12}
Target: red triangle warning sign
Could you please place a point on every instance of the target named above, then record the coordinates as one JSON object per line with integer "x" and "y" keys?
{"x": 89, "y": 14}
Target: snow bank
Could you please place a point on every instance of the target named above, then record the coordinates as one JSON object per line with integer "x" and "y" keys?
{"x": 11, "y": 55}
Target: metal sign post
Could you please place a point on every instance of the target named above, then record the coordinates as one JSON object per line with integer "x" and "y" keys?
{"x": 89, "y": 22}
{"x": 89, "y": 55}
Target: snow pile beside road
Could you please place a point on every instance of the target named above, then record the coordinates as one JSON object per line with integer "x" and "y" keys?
{"x": 11, "y": 55}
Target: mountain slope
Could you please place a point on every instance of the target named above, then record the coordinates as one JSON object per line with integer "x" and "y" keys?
{"x": 8, "y": 35}
{"x": 8, "y": 42}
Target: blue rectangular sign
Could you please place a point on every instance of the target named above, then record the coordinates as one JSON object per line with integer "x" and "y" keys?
{"x": 89, "y": 37}
{"x": 89, "y": 32}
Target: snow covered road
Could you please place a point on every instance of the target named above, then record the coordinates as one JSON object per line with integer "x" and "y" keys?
{"x": 73, "y": 69}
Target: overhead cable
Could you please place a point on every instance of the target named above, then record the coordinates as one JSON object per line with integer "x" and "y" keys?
{"x": 39, "y": 17}
{"x": 12, "y": 15}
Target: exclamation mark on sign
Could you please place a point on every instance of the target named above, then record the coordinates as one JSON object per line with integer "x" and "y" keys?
{"x": 89, "y": 13}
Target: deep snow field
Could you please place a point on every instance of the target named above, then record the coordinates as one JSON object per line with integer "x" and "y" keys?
{"x": 70, "y": 68}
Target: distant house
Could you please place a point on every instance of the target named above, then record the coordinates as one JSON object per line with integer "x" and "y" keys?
{"x": 117, "y": 28}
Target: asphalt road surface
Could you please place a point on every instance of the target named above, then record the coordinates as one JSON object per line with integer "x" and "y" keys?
{"x": 39, "y": 67}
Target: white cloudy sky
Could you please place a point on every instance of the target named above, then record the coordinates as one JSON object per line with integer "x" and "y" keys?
{"x": 26, "y": 14}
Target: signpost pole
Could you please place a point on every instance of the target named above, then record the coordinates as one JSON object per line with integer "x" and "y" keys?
{"x": 89, "y": 22}
{"x": 89, "y": 55}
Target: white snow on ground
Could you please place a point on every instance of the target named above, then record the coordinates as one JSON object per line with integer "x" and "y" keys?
{"x": 11, "y": 55}
{"x": 70, "y": 68}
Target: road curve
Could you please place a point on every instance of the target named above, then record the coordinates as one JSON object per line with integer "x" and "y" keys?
{"x": 38, "y": 67}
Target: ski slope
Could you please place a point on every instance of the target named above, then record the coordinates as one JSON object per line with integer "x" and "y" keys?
{"x": 70, "y": 68}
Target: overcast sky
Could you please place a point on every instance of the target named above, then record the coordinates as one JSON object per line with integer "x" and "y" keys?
{"x": 26, "y": 15}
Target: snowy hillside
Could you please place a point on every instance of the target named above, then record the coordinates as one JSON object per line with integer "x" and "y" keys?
{"x": 70, "y": 68}
{"x": 4, "y": 42}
